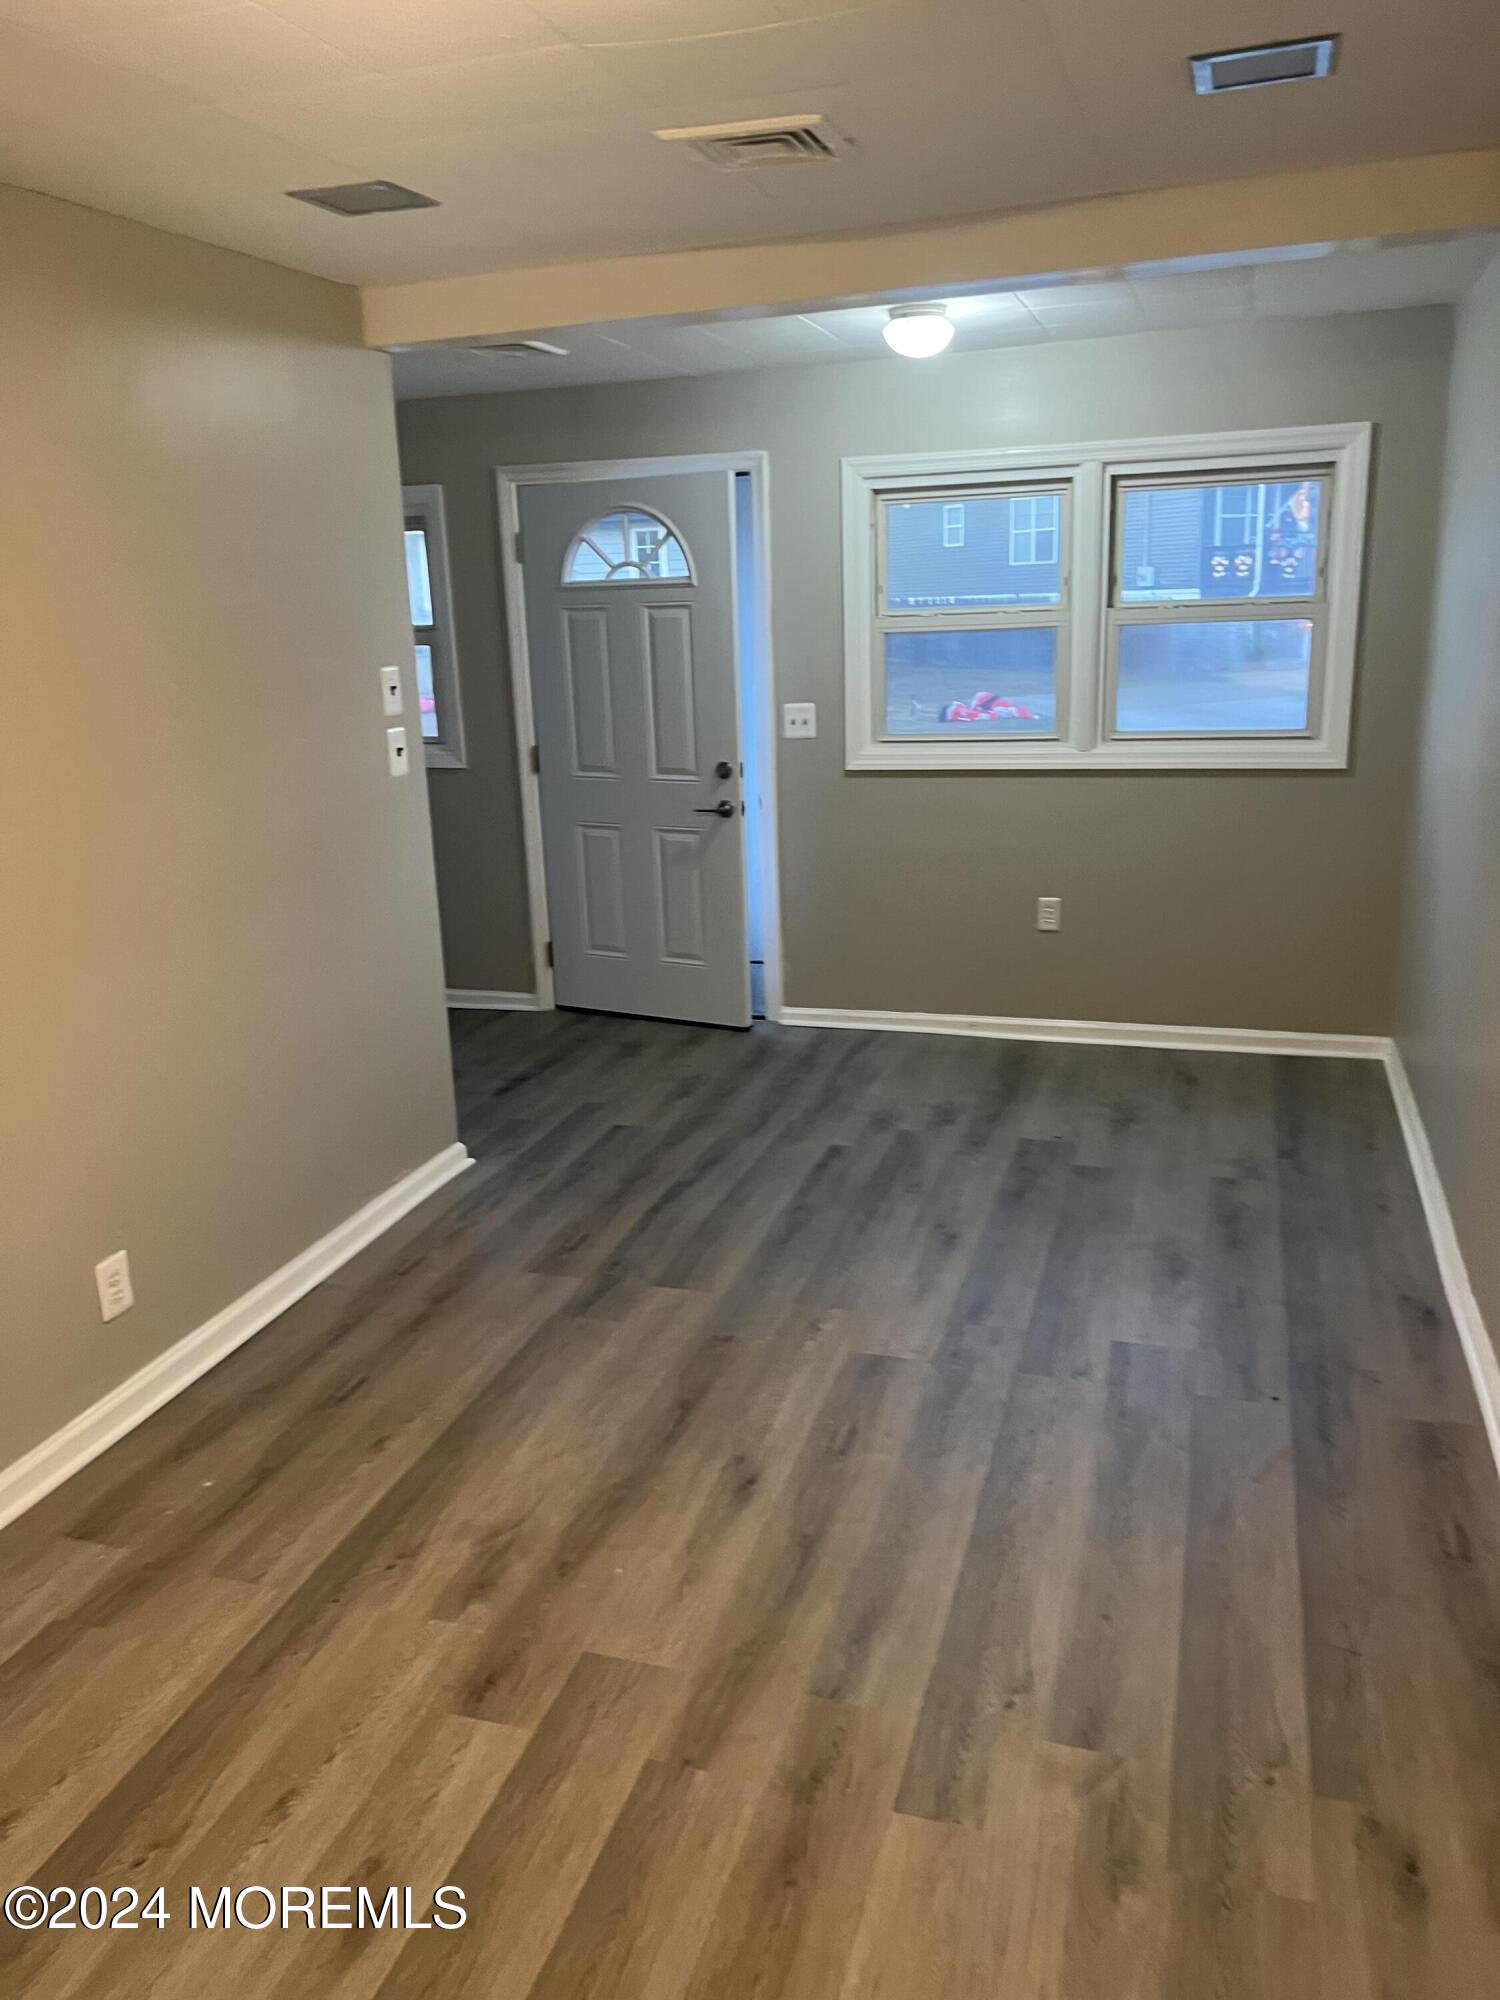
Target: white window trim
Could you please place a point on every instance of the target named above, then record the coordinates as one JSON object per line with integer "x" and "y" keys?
{"x": 444, "y": 752}
{"x": 955, "y": 526}
{"x": 1081, "y": 741}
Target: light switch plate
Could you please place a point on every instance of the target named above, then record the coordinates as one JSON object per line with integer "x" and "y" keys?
{"x": 390, "y": 690}
{"x": 396, "y": 752}
{"x": 799, "y": 718}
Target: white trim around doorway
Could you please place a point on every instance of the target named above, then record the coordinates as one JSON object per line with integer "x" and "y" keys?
{"x": 760, "y": 687}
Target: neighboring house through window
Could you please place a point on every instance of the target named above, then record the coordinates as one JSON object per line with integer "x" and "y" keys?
{"x": 627, "y": 547}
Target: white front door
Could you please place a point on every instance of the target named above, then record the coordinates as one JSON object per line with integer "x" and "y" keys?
{"x": 631, "y": 631}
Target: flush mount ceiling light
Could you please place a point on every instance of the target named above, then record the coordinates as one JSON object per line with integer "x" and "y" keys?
{"x": 363, "y": 198}
{"x": 1248, "y": 69}
{"x": 917, "y": 332}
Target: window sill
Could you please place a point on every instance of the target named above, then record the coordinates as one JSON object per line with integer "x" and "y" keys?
{"x": 1302, "y": 756}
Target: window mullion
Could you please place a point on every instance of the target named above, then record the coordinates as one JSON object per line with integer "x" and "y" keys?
{"x": 1083, "y": 536}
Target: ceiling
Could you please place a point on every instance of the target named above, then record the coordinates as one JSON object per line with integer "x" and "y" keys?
{"x": 1314, "y": 279}
{"x": 531, "y": 120}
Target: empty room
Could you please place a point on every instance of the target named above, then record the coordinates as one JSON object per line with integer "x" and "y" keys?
{"x": 751, "y": 1007}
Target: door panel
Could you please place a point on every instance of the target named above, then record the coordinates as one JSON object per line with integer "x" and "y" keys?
{"x": 601, "y": 877}
{"x": 669, "y": 689}
{"x": 634, "y": 688}
{"x": 586, "y": 642}
{"x": 679, "y": 890}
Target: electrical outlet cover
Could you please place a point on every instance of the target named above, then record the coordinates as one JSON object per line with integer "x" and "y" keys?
{"x": 112, "y": 1280}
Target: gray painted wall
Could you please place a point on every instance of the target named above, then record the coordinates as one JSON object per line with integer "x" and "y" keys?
{"x": 1262, "y": 900}
{"x": 223, "y": 1029}
{"x": 1449, "y": 1026}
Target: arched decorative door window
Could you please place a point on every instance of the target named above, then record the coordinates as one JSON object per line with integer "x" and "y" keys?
{"x": 627, "y": 546}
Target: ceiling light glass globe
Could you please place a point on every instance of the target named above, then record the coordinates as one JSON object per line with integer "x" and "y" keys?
{"x": 918, "y": 332}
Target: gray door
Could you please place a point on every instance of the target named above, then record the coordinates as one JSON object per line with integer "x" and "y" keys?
{"x": 630, "y": 621}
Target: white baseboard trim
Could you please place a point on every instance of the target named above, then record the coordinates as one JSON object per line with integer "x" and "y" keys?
{"x": 1106, "y": 1034}
{"x": 68, "y": 1450}
{"x": 1479, "y": 1349}
{"x": 493, "y": 1002}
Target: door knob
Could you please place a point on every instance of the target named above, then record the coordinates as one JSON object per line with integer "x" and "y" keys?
{"x": 723, "y": 769}
{"x": 723, "y": 810}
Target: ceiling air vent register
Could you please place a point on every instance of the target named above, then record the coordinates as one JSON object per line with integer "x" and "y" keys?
{"x": 1248, "y": 69}
{"x": 363, "y": 198}
{"x": 799, "y": 140}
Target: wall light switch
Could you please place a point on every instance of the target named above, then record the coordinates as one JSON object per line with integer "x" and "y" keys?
{"x": 799, "y": 718}
{"x": 1049, "y": 913}
{"x": 390, "y": 690}
{"x": 396, "y": 752}
{"x": 116, "y": 1294}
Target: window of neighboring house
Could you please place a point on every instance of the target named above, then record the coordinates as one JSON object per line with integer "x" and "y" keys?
{"x": 1172, "y": 601}
{"x": 953, "y": 527}
{"x": 1234, "y": 515}
{"x": 1034, "y": 530}
{"x": 429, "y": 594}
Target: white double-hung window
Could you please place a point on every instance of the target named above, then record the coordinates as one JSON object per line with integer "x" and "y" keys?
{"x": 1187, "y": 602}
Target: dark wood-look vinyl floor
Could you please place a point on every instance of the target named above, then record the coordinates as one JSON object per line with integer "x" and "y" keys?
{"x": 811, "y": 1516}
